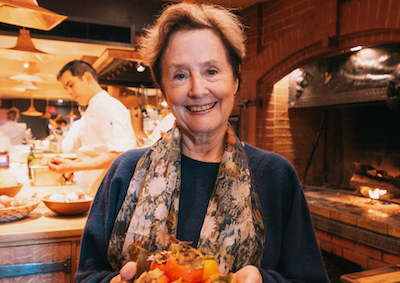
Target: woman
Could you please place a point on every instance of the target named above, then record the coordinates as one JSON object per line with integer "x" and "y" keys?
{"x": 199, "y": 182}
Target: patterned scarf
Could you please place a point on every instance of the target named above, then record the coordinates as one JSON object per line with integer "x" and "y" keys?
{"x": 233, "y": 228}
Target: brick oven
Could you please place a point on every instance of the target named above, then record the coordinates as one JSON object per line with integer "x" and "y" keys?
{"x": 355, "y": 152}
{"x": 332, "y": 156}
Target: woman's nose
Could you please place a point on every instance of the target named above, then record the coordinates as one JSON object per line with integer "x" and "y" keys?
{"x": 198, "y": 87}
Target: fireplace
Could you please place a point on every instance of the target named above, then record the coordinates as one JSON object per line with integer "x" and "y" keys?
{"x": 360, "y": 125}
{"x": 352, "y": 176}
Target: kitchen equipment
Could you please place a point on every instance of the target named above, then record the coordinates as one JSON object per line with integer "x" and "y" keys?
{"x": 68, "y": 208}
{"x": 19, "y": 212}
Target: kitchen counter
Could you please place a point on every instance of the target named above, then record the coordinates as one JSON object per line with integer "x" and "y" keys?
{"x": 43, "y": 246}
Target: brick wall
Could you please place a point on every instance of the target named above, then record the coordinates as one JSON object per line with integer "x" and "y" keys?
{"x": 367, "y": 257}
{"x": 285, "y": 34}
{"x": 282, "y": 36}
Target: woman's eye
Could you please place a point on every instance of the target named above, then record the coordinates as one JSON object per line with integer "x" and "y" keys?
{"x": 211, "y": 72}
{"x": 179, "y": 76}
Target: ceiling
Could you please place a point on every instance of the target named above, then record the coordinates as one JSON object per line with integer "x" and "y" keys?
{"x": 65, "y": 50}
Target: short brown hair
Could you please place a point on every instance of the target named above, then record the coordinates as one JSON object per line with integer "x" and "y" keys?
{"x": 183, "y": 16}
{"x": 77, "y": 69}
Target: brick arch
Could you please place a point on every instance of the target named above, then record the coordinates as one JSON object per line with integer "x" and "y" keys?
{"x": 368, "y": 38}
{"x": 286, "y": 34}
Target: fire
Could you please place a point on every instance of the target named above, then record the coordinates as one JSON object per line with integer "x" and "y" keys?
{"x": 375, "y": 194}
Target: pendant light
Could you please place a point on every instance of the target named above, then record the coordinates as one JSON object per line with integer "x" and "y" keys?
{"x": 25, "y": 85}
{"x": 28, "y": 74}
{"x": 24, "y": 50}
{"x": 31, "y": 111}
{"x": 47, "y": 114}
{"x": 27, "y": 13}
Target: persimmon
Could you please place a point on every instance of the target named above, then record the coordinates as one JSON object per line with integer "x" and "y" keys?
{"x": 210, "y": 268}
{"x": 161, "y": 266}
{"x": 163, "y": 279}
{"x": 175, "y": 270}
{"x": 159, "y": 260}
{"x": 154, "y": 276}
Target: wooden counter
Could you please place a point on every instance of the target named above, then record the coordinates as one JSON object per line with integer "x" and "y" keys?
{"x": 44, "y": 246}
{"x": 386, "y": 275}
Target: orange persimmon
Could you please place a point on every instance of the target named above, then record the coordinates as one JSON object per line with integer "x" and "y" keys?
{"x": 161, "y": 266}
{"x": 154, "y": 275}
{"x": 163, "y": 279}
{"x": 174, "y": 271}
{"x": 210, "y": 268}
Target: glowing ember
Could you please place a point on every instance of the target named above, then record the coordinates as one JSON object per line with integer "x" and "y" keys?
{"x": 375, "y": 194}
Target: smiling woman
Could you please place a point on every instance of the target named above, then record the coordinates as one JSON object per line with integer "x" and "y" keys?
{"x": 199, "y": 182}
{"x": 199, "y": 86}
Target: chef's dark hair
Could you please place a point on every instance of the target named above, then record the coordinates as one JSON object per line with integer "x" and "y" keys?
{"x": 77, "y": 69}
{"x": 185, "y": 16}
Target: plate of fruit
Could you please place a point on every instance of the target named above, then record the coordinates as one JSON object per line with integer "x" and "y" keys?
{"x": 14, "y": 208}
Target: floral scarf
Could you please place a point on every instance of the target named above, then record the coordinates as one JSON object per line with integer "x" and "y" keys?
{"x": 233, "y": 228}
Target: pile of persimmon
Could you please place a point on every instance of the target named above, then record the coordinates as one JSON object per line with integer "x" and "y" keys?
{"x": 182, "y": 264}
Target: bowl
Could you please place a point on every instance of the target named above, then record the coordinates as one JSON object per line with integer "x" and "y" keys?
{"x": 19, "y": 212}
{"x": 11, "y": 191}
{"x": 67, "y": 208}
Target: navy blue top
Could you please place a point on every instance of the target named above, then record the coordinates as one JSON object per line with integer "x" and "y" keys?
{"x": 197, "y": 183}
{"x": 291, "y": 253}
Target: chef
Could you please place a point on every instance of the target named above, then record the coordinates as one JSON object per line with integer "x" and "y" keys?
{"x": 107, "y": 131}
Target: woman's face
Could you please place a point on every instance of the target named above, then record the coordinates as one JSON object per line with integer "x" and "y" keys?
{"x": 198, "y": 81}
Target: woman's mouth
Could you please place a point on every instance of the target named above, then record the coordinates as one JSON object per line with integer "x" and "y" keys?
{"x": 200, "y": 108}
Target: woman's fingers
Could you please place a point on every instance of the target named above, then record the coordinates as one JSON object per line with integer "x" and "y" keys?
{"x": 128, "y": 271}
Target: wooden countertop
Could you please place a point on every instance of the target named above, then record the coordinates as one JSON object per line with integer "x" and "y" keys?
{"x": 42, "y": 223}
{"x": 386, "y": 275}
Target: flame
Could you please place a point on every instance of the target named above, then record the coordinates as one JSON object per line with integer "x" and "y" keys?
{"x": 375, "y": 194}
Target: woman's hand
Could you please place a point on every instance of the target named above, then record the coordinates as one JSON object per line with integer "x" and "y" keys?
{"x": 126, "y": 274}
{"x": 248, "y": 274}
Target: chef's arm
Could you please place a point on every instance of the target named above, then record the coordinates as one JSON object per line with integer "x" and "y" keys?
{"x": 62, "y": 165}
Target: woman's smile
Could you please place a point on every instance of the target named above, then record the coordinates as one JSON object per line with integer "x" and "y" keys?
{"x": 202, "y": 108}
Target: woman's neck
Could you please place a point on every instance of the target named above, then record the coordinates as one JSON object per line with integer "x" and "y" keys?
{"x": 204, "y": 148}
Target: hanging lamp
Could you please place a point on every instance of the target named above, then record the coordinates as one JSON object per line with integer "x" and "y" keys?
{"x": 28, "y": 74}
{"x": 31, "y": 111}
{"x": 28, "y": 13}
{"x": 25, "y": 50}
{"x": 47, "y": 114}
{"x": 25, "y": 85}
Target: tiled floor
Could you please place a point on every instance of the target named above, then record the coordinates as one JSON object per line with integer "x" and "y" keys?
{"x": 337, "y": 266}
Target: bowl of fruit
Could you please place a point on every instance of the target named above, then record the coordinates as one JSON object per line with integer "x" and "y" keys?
{"x": 16, "y": 208}
{"x": 8, "y": 183}
{"x": 72, "y": 203}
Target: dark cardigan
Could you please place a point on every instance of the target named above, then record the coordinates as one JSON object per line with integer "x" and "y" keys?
{"x": 291, "y": 252}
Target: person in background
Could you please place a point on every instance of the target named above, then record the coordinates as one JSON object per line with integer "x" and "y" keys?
{"x": 108, "y": 129}
{"x": 59, "y": 126}
{"x": 162, "y": 127}
{"x": 199, "y": 182}
{"x": 16, "y": 131}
